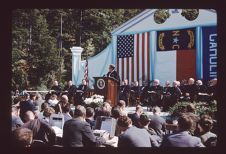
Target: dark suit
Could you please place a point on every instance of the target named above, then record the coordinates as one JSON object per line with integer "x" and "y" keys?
{"x": 158, "y": 124}
{"x": 71, "y": 90}
{"x": 41, "y": 131}
{"x": 57, "y": 89}
{"x": 136, "y": 137}
{"x": 181, "y": 139}
{"x": 81, "y": 94}
{"x": 77, "y": 133}
{"x": 113, "y": 74}
{"x": 124, "y": 93}
{"x": 156, "y": 97}
{"x": 135, "y": 119}
{"x": 24, "y": 107}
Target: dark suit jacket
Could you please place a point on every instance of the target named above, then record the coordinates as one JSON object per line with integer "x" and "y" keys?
{"x": 41, "y": 131}
{"x": 136, "y": 137}
{"x": 135, "y": 119}
{"x": 77, "y": 133}
{"x": 113, "y": 74}
{"x": 181, "y": 139}
{"x": 158, "y": 124}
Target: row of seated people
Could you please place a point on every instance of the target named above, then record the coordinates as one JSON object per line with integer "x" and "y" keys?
{"x": 141, "y": 131}
{"x": 150, "y": 95}
{"x": 166, "y": 96}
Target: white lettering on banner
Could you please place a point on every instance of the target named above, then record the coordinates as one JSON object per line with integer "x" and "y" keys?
{"x": 213, "y": 56}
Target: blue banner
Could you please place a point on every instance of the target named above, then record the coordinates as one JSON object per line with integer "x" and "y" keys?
{"x": 182, "y": 39}
{"x": 209, "y": 42}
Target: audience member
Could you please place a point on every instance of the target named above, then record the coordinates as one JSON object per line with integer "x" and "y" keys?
{"x": 133, "y": 136}
{"x": 22, "y": 137}
{"x": 90, "y": 117}
{"x": 66, "y": 109}
{"x": 53, "y": 100}
{"x": 122, "y": 105}
{"x": 47, "y": 113}
{"x": 16, "y": 120}
{"x": 25, "y": 106}
{"x": 182, "y": 138}
{"x": 207, "y": 137}
{"x": 78, "y": 133}
{"x": 144, "y": 123}
{"x": 157, "y": 123}
{"x": 136, "y": 116}
{"x": 41, "y": 130}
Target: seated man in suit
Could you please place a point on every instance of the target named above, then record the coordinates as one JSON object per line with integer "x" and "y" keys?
{"x": 56, "y": 87}
{"x": 70, "y": 89}
{"x": 157, "y": 122}
{"x": 41, "y": 130}
{"x": 78, "y": 133}
{"x": 125, "y": 92}
{"x": 133, "y": 136}
{"x": 182, "y": 138}
{"x": 155, "y": 93}
{"x": 190, "y": 90}
{"x": 81, "y": 93}
{"x": 135, "y": 93}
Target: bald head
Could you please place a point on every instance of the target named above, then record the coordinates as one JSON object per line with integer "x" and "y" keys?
{"x": 28, "y": 116}
{"x": 64, "y": 98}
{"x": 156, "y": 110}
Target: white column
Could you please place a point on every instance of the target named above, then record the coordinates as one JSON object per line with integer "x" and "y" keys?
{"x": 76, "y": 59}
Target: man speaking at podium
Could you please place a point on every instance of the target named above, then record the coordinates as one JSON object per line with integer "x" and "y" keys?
{"x": 112, "y": 73}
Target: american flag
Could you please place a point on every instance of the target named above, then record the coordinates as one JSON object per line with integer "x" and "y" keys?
{"x": 134, "y": 57}
{"x": 86, "y": 72}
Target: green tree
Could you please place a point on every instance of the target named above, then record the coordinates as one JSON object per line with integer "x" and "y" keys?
{"x": 37, "y": 57}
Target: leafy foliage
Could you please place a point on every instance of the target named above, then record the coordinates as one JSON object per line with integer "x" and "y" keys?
{"x": 200, "y": 108}
{"x": 37, "y": 57}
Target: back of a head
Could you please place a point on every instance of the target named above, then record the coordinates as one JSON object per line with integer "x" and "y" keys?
{"x": 48, "y": 111}
{"x": 116, "y": 112}
{"x": 44, "y": 105}
{"x": 80, "y": 111}
{"x": 121, "y": 103}
{"x": 28, "y": 116}
{"x": 32, "y": 95}
{"x": 156, "y": 110}
{"x": 139, "y": 108}
{"x": 22, "y": 137}
{"x": 185, "y": 122}
{"x": 89, "y": 112}
{"x": 66, "y": 108}
{"x": 144, "y": 120}
{"x": 107, "y": 106}
{"x": 124, "y": 121}
{"x": 64, "y": 98}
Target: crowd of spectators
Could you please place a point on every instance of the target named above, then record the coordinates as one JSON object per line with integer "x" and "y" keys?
{"x": 31, "y": 117}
